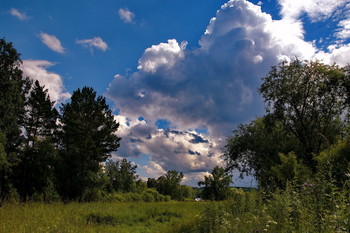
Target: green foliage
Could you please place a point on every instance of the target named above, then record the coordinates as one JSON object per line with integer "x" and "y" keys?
{"x": 336, "y": 161}
{"x": 312, "y": 207}
{"x": 34, "y": 171}
{"x": 308, "y": 98}
{"x": 122, "y": 176}
{"x": 5, "y": 169}
{"x": 254, "y": 149}
{"x": 169, "y": 184}
{"x": 13, "y": 88}
{"x": 87, "y": 139}
{"x": 306, "y": 104}
{"x": 214, "y": 219}
{"x": 217, "y": 185}
{"x": 291, "y": 169}
{"x": 40, "y": 120}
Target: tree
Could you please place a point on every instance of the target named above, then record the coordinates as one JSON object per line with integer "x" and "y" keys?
{"x": 41, "y": 116}
{"x": 217, "y": 185}
{"x": 122, "y": 175}
{"x": 88, "y": 137}
{"x": 254, "y": 149}
{"x": 152, "y": 183}
{"x": 5, "y": 169}
{"x": 34, "y": 172}
{"x": 13, "y": 88}
{"x": 127, "y": 173}
{"x": 306, "y": 105}
{"x": 308, "y": 98}
{"x": 169, "y": 184}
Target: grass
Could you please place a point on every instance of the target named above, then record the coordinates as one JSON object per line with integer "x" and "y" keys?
{"x": 312, "y": 207}
{"x": 99, "y": 217}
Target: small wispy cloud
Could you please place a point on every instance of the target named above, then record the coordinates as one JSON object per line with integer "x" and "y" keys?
{"x": 95, "y": 42}
{"x": 18, "y": 14}
{"x": 52, "y": 42}
{"x": 126, "y": 15}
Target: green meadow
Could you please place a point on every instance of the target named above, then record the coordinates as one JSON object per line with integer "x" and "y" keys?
{"x": 99, "y": 217}
{"x": 317, "y": 208}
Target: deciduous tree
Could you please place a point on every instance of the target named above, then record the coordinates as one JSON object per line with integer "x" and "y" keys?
{"x": 308, "y": 98}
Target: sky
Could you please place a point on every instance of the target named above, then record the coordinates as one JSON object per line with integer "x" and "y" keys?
{"x": 178, "y": 75}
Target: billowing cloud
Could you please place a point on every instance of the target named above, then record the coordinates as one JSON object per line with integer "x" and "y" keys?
{"x": 211, "y": 88}
{"x": 126, "y": 15}
{"x": 95, "y": 42}
{"x": 163, "y": 55}
{"x": 339, "y": 54}
{"x": 37, "y": 70}
{"x": 316, "y": 9}
{"x": 51, "y": 42}
{"x": 18, "y": 14}
{"x": 343, "y": 31}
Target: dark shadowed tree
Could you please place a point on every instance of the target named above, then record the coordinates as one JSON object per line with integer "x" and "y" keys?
{"x": 88, "y": 137}
{"x": 41, "y": 116}
{"x": 217, "y": 185}
{"x": 34, "y": 171}
{"x": 152, "y": 183}
{"x": 254, "y": 149}
{"x": 5, "y": 169}
{"x": 13, "y": 89}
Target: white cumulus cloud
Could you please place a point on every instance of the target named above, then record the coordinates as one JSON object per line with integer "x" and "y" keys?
{"x": 126, "y": 15}
{"x": 95, "y": 42}
{"x": 37, "y": 70}
{"x": 316, "y": 9}
{"x": 212, "y": 87}
{"x": 162, "y": 55}
{"x": 52, "y": 42}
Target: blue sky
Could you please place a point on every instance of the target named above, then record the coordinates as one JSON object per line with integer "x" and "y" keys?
{"x": 180, "y": 75}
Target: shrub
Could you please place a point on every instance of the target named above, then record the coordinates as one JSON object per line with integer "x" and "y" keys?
{"x": 147, "y": 197}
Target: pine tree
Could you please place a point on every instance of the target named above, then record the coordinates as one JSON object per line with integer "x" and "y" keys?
{"x": 34, "y": 171}
{"x": 87, "y": 139}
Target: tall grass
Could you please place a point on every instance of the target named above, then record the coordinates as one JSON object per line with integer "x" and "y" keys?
{"x": 98, "y": 217}
{"x": 311, "y": 207}
{"x": 320, "y": 206}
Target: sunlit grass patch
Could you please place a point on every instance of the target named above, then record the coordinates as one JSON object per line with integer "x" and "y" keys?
{"x": 98, "y": 217}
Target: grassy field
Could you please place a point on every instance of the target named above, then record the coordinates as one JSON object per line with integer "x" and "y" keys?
{"x": 313, "y": 208}
{"x": 99, "y": 217}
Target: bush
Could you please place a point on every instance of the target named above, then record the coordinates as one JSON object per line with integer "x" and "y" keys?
{"x": 90, "y": 195}
{"x": 214, "y": 219}
{"x": 147, "y": 197}
{"x": 129, "y": 197}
